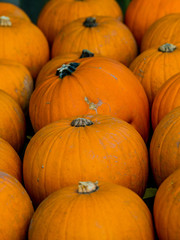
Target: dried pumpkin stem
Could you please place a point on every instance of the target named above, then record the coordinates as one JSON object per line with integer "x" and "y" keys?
{"x": 87, "y": 187}
{"x": 5, "y": 21}
{"x": 90, "y": 22}
{"x": 66, "y": 69}
{"x": 86, "y": 53}
{"x": 81, "y": 122}
{"x": 167, "y": 47}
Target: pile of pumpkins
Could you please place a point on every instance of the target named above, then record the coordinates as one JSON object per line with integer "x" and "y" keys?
{"x": 100, "y": 92}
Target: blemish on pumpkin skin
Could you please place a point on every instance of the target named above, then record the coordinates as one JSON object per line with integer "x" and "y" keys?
{"x": 177, "y": 144}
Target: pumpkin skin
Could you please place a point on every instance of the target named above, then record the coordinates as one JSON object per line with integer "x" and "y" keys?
{"x": 155, "y": 66}
{"x": 167, "y": 98}
{"x": 56, "y": 14}
{"x": 164, "y": 146}
{"x": 108, "y": 213}
{"x": 85, "y": 92}
{"x": 10, "y": 161}
{"x": 23, "y": 41}
{"x": 99, "y": 34}
{"x": 110, "y": 148}
{"x": 16, "y": 80}
{"x": 15, "y": 207}
{"x": 166, "y": 208}
{"x": 12, "y": 121}
{"x": 9, "y": 9}
{"x": 139, "y": 18}
{"x": 164, "y": 30}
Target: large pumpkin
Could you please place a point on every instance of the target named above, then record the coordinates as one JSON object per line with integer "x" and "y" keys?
{"x": 141, "y": 14}
{"x": 57, "y": 13}
{"x": 94, "y": 211}
{"x": 23, "y": 42}
{"x": 164, "y": 146}
{"x": 12, "y": 121}
{"x": 90, "y": 85}
{"x": 167, "y": 98}
{"x": 16, "y": 80}
{"x": 100, "y": 34}
{"x": 165, "y": 30}
{"x": 166, "y": 208}
{"x": 155, "y": 66}
{"x": 16, "y": 208}
{"x": 93, "y": 147}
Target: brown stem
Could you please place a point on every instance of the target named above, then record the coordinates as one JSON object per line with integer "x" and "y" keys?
{"x": 5, "y": 21}
{"x": 90, "y": 22}
{"x": 86, "y": 53}
{"x": 167, "y": 47}
{"x": 81, "y": 122}
{"x": 87, "y": 187}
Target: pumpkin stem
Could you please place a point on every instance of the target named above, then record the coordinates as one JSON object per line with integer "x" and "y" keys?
{"x": 92, "y": 105}
{"x": 81, "y": 122}
{"x": 5, "y": 21}
{"x": 87, "y": 187}
{"x": 86, "y": 53}
{"x": 167, "y": 47}
{"x": 90, "y": 22}
{"x": 66, "y": 69}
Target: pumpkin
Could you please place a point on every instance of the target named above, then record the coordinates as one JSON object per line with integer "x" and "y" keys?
{"x": 164, "y": 30}
{"x": 56, "y": 14}
{"x": 89, "y": 86}
{"x": 16, "y": 80}
{"x": 167, "y": 98}
{"x": 155, "y": 66}
{"x": 164, "y": 146}
{"x": 23, "y": 41}
{"x": 10, "y": 161}
{"x": 63, "y": 152}
{"x": 97, "y": 210}
{"x": 99, "y": 34}
{"x": 166, "y": 208}
{"x": 12, "y": 121}
{"x": 52, "y": 65}
{"x": 15, "y": 207}
{"x": 140, "y": 15}
{"x": 10, "y": 9}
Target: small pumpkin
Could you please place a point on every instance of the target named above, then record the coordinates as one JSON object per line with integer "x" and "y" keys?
{"x": 164, "y": 30}
{"x": 56, "y": 14}
{"x": 16, "y": 208}
{"x": 12, "y": 121}
{"x": 23, "y": 41}
{"x": 140, "y": 15}
{"x": 103, "y": 35}
{"x": 16, "y": 80}
{"x": 97, "y": 210}
{"x": 89, "y": 86}
{"x": 167, "y": 99}
{"x": 85, "y": 147}
{"x": 155, "y": 66}
{"x": 166, "y": 208}
{"x": 164, "y": 146}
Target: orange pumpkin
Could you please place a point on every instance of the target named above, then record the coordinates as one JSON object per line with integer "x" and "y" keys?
{"x": 164, "y": 30}
{"x": 9, "y": 160}
{"x": 155, "y": 66}
{"x": 167, "y": 98}
{"x": 88, "y": 86}
{"x": 15, "y": 207}
{"x": 93, "y": 147}
{"x": 99, "y": 211}
{"x": 99, "y": 34}
{"x": 141, "y": 14}
{"x": 52, "y": 65}
{"x": 10, "y": 10}
{"x": 167, "y": 207}
{"x": 23, "y": 41}
{"x": 12, "y": 121}
{"x": 16, "y": 80}
{"x": 164, "y": 146}
{"x": 56, "y": 14}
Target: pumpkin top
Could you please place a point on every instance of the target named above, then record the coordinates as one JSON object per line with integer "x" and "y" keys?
{"x": 87, "y": 187}
{"x": 90, "y": 22}
{"x": 167, "y": 47}
{"x": 5, "y": 21}
{"x": 66, "y": 69}
{"x": 81, "y": 122}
